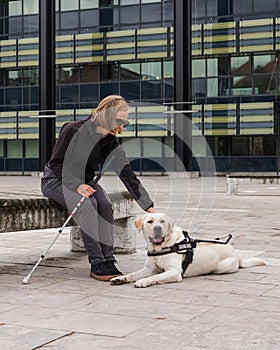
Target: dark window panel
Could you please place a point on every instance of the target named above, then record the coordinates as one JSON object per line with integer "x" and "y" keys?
{"x": 130, "y": 90}
{"x": 69, "y": 20}
{"x": 13, "y": 96}
{"x": 151, "y": 13}
{"x": 89, "y": 74}
{"x": 168, "y": 89}
{"x": 109, "y": 89}
{"x": 89, "y": 18}
{"x": 89, "y": 92}
{"x": 31, "y": 24}
{"x": 129, "y": 14}
{"x": 151, "y": 90}
{"x": 109, "y": 71}
{"x": 14, "y": 25}
{"x": 69, "y": 93}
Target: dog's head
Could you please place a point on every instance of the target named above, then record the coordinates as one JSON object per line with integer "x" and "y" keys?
{"x": 157, "y": 229}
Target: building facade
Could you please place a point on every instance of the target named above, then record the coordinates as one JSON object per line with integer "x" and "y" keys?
{"x": 126, "y": 47}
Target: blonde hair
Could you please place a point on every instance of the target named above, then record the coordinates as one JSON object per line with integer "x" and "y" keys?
{"x": 105, "y": 114}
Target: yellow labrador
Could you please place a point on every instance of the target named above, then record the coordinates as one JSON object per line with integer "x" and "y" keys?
{"x": 160, "y": 234}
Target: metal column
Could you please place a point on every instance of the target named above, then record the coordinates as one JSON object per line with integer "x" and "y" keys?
{"x": 47, "y": 79}
{"x": 182, "y": 84}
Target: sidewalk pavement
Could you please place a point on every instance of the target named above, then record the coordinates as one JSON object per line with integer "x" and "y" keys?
{"x": 62, "y": 308}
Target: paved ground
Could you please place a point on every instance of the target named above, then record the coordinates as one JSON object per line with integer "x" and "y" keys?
{"x": 62, "y": 308}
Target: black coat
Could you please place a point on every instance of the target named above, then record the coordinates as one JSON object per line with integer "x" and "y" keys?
{"x": 79, "y": 152}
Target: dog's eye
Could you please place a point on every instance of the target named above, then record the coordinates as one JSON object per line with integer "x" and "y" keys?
{"x": 162, "y": 221}
{"x": 150, "y": 221}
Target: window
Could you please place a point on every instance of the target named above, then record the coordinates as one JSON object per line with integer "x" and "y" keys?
{"x": 151, "y": 13}
{"x": 129, "y": 2}
{"x": 14, "y": 149}
{"x": 30, "y": 76}
{"x": 30, "y": 7}
{"x": 151, "y": 71}
{"x": 31, "y": 148}
{"x": 241, "y": 65}
{"x": 264, "y": 6}
{"x": 109, "y": 72}
{"x": 152, "y": 147}
{"x": 130, "y": 71}
{"x": 15, "y": 8}
{"x": 89, "y": 74}
{"x": 168, "y": 69}
{"x": 68, "y": 5}
{"x": 89, "y": 18}
{"x": 69, "y": 75}
{"x": 198, "y": 68}
{"x": 129, "y": 14}
{"x": 89, "y": 4}
{"x": 1, "y": 148}
{"x": 13, "y": 78}
{"x": 69, "y": 20}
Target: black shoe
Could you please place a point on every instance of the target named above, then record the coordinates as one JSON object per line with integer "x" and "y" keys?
{"x": 113, "y": 269}
{"x": 101, "y": 272}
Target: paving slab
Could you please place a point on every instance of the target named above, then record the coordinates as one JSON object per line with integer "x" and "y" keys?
{"x": 63, "y": 308}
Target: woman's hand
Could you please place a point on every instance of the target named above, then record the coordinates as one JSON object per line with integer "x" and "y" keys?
{"x": 86, "y": 190}
{"x": 151, "y": 210}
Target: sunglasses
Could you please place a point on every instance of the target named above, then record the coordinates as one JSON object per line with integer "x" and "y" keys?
{"x": 120, "y": 122}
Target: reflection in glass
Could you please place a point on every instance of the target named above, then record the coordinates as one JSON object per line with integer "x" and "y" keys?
{"x": 129, "y": 71}
{"x": 198, "y": 68}
{"x": 68, "y": 5}
{"x": 240, "y": 65}
{"x": 151, "y": 71}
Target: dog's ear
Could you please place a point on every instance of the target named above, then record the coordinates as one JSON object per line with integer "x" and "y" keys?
{"x": 138, "y": 223}
{"x": 171, "y": 224}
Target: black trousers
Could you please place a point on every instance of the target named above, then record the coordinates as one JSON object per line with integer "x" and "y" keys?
{"x": 95, "y": 216}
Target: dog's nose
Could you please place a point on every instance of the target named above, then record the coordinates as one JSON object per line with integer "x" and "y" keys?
{"x": 157, "y": 230}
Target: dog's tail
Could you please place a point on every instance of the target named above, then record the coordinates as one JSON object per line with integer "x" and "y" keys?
{"x": 243, "y": 263}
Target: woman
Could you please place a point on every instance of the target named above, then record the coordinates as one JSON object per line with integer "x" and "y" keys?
{"x": 81, "y": 148}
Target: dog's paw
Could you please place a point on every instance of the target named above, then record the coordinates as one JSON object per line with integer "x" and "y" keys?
{"x": 118, "y": 280}
{"x": 143, "y": 283}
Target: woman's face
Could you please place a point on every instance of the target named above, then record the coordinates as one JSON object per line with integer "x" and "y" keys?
{"x": 121, "y": 115}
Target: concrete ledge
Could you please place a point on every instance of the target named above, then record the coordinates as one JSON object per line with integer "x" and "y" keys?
{"x": 42, "y": 213}
{"x": 234, "y": 180}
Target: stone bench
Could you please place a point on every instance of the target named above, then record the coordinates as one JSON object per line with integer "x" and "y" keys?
{"x": 43, "y": 213}
{"x": 234, "y": 180}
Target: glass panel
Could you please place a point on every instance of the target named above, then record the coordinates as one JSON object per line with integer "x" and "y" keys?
{"x": 89, "y": 4}
{"x": 152, "y": 147}
{"x": 264, "y": 6}
{"x": 212, "y": 87}
{"x": 129, "y": 2}
{"x": 13, "y": 96}
{"x": 31, "y": 24}
{"x": 198, "y": 146}
{"x": 31, "y": 76}
{"x": 151, "y": 71}
{"x": 242, "y": 7}
{"x": 212, "y": 67}
{"x": 168, "y": 88}
{"x": 14, "y": 149}
{"x": 149, "y": 1}
{"x": 167, "y": 11}
{"x": 130, "y": 90}
{"x": 13, "y": 78}
{"x": 1, "y": 148}
{"x": 219, "y": 145}
{"x": 129, "y": 14}
{"x": 198, "y": 68}
{"x": 15, "y": 8}
{"x": 30, "y": 7}
{"x": 130, "y": 71}
{"x": 240, "y": 65}
{"x": 169, "y": 147}
{"x": 151, "y": 13}
{"x": 69, "y": 93}
{"x": 212, "y": 8}
{"x": 168, "y": 69}
{"x": 109, "y": 72}
{"x": 68, "y": 5}
{"x": 198, "y": 88}
{"x": 109, "y": 89}
{"x": 69, "y": 75}
{"x": 263, "y": 63}
{"x": 89, "y": 92}
{"x": 242, "y": 85}
{"x": 69, "y": 20}
{"x": 264, "y": 83}
{"x": 151, "y": 90}
{"x": 198, "y": 8}
{"x": 31, "y": 148}
{"x": 131, "y": 147}
{"x": 240, "y": 146}
{"x": 15, "y": 25}
{"x": 89, "y": 74}
{"x": 89, "y": 18}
